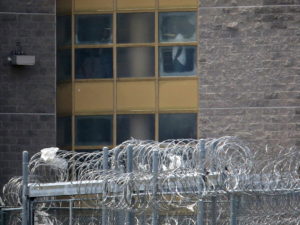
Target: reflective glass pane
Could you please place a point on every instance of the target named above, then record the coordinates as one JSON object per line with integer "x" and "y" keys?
{"x": 135, "y": 126}
{"x": 177, "y": 61}
{"x": 64, "y": 131}
{"x": 63, "y": 65}
{"x": 176, "y": 126}
{"x": 177, "y": 27}
{"x": 93, "y": 130}
{"x": 94, "y": 63}
{"x": 135, "y": 28}
{"x": 93, "y": 29}
{"x": 135, "y": 62}
{"x": 63, "y": 30}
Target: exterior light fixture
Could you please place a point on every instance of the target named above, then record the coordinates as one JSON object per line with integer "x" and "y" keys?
{"x": 19, "y": 58}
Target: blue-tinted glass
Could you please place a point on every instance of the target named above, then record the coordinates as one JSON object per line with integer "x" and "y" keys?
{"x": 135, "y": 126}
{"x": 177, "y": 61}
{"x": 93, "y": 130}
{"x": 135, "y": 27}
{"x": 63, "y": 65}
{"x": 135, "y": 62}
{"x": 177, "y": 27}
{"x": 63, "y": 30}
{"x": 64, "y": 131}
{"x": 93, "y": 29}
{"x": 176, "y": 126}
{"x": 94, "y": 63}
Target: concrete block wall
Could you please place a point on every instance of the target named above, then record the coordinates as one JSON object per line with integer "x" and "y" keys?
{"x": 27, "y": 94}
{"x": 249, "y": 70}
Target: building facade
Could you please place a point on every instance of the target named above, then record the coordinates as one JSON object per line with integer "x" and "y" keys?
{"x": 249, "y": 60}
{"x": 154, "y": 69}
{"x": 27, "y": 93}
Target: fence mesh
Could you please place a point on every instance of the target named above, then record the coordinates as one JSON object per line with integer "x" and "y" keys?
{"x": 203, "y": 182}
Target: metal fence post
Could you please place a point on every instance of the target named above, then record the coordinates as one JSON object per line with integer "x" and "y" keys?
{"x": 1, "y": 217}
{"x": 233, "y": 209}
{"x": 70, "y": 211}
{"x": 25, "y": 199}
{"x": 129, "y": 169}
{"x": 214, "y": 198}
{"x": 201, "y": 204}
{"x": 105, "y": 168}
{"x": 213, "y": 210}
{"x": 154, "y": 191}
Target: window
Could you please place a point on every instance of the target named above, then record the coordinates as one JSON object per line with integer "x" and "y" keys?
{"x": 64, "y": 66}
{"x": 173, "y": 126}
{"x": 135, "y": 126}
{"x": 94, "y": 63}
{"x": 64, "y": 131}
{"x": 135, "y": 44}
{"x": 93, "y": 130}
{"x": 63, "y": 30}
{"x": 129, "y": 23}
{"x": 94, "y": 29}
{"x": 177, "y": 61}
{"x": 129, "y": 71}
{"x": 177, "y": 27}
{"x": 136, "y": 62}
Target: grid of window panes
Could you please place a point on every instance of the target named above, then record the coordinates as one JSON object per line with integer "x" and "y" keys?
{"x": 133, "y": 45}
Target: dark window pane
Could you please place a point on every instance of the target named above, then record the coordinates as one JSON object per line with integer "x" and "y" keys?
{"x": 135, "y": 62}
{"x": 135, "y": 28}
{"x": 93, "y": 130}
{"x": 64, "y": 131}
{"x": 135, "y": 126}
{"x": 63, "y": 29}
{"x": 177, "y": 61}
{"x": 94, "y": 63}
{"x": 93, "y": 29}
{"x": 63, "y": 65}
{"x": 177, "y": 27}
{"x": 88, "y": 150}
{"x": 176, "y": 126}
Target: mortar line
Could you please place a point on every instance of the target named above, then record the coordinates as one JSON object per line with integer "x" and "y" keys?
{"x": 255, "y": 6}
{"x": 49, "y": 114}
{"x": 24, "y": 13}
{"x": 268, "y": 107}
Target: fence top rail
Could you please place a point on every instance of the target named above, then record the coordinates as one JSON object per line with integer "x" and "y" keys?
{"x": 98, "y": 186}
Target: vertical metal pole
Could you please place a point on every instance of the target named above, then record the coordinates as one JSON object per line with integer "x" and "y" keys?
{"x": 213, "y": 210}
{"x": 129, "y": 169}
{"x": 129, "y": 166}
{"x": 105, "y": 158}
{"x": 1, "y": 217}
{"x": 25, "y": 199}
{"x": 31, "y": 212}
{"x": 105, "y": 168}
{"x": 233, "y": 209}
{"x": 201, "y": 204}
{"x": 70, "y": 211}
{"x": 214, "y": 198}
{"x": 154, "y": 190}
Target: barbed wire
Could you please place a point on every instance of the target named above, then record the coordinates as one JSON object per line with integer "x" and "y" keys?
{"x": 188, "y": 171}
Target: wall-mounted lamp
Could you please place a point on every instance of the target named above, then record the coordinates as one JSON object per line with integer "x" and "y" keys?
{"x": 19, "y": 58}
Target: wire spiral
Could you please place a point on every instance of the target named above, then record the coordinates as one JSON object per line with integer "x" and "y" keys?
{"x": 188, "y": 171}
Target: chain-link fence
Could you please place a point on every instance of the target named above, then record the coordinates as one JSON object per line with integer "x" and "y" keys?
{"x": 10, "y": 216}
{"x": 201, "y": 182}
{"x": 247, "y": 208}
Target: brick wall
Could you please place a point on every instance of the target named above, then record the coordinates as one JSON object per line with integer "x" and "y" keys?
{"x": 27, "y": 94}
{"x": 249, "y": 69}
